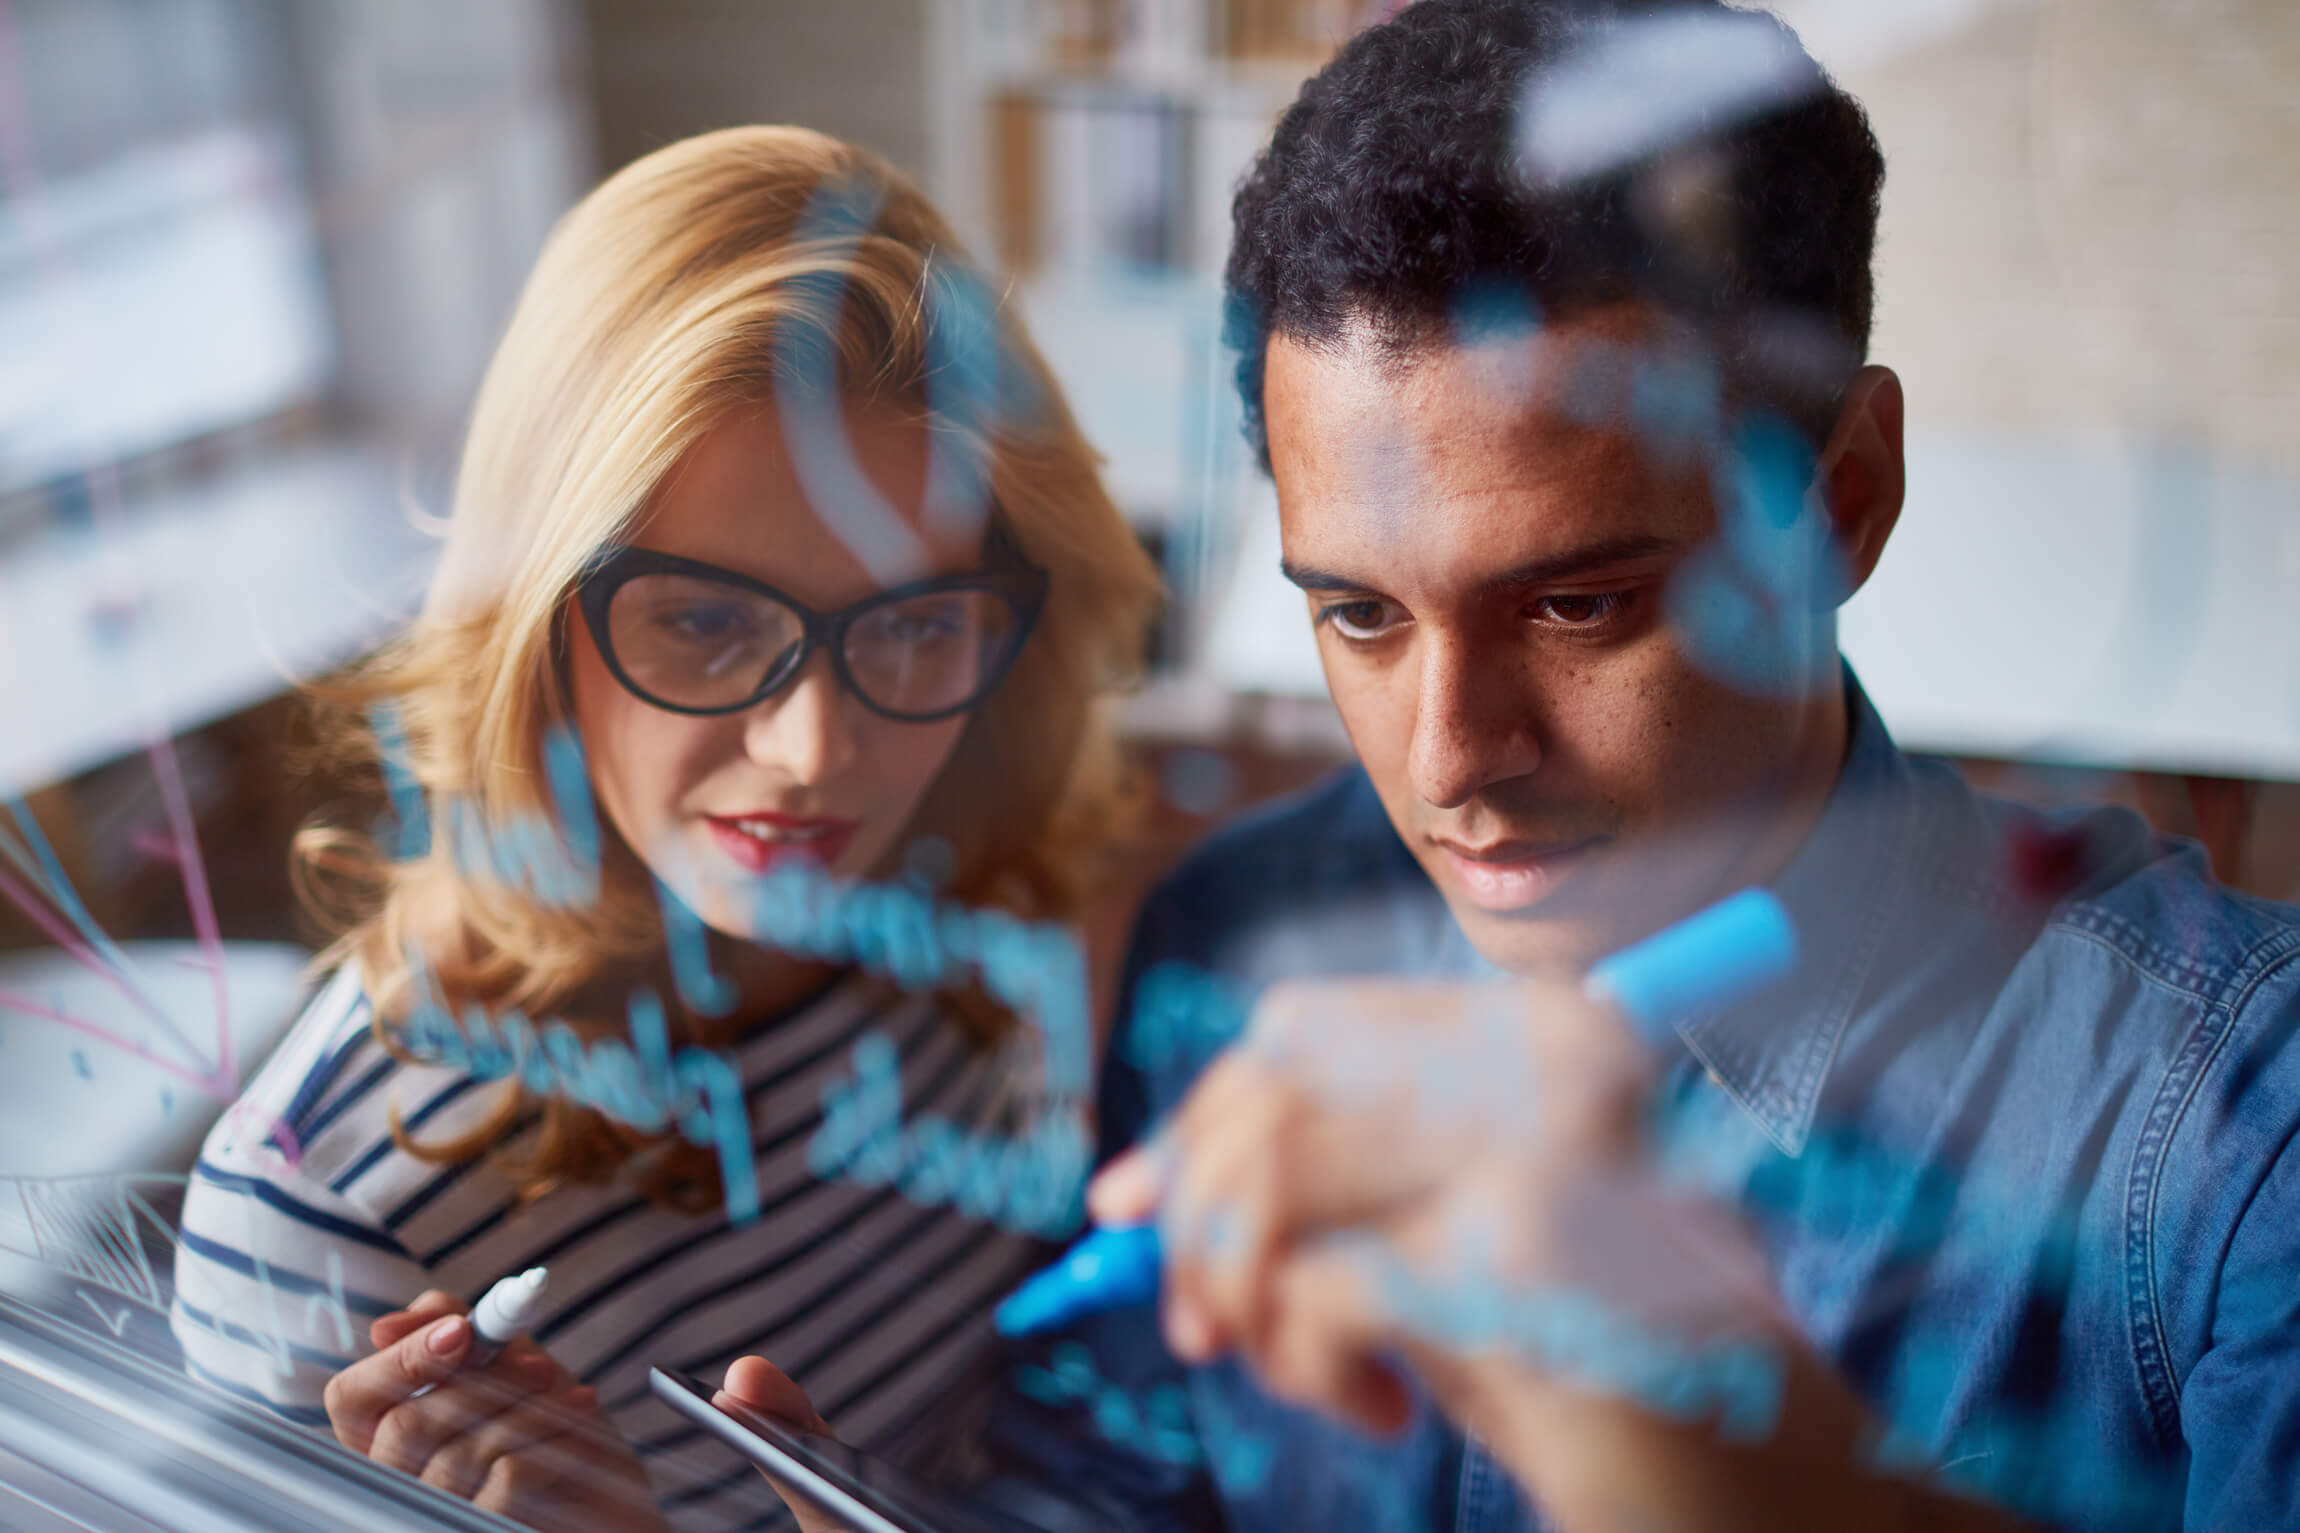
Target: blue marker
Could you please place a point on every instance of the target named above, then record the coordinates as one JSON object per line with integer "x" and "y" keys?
{"x": 1710, "y": 958}
{"x": 1734, "y": 947}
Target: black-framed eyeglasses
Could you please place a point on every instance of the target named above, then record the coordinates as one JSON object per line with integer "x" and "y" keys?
{"x": 693, "y": 638}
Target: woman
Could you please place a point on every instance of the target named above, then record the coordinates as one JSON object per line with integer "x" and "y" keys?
{"x": 773, "y": 549}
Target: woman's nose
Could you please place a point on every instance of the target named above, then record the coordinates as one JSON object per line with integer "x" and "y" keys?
{"x": 807, "y": 730}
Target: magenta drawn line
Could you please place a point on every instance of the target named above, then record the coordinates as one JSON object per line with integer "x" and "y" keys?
{"x": 205, "y": 1085}
{"x": 50, "y": 882}
{"x": 70, "y": 941}
{"x": 192, "y": 871}
{"x": 278, "y": 1137}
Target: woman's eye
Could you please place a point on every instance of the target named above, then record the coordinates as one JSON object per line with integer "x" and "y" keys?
{"x": 1356, "y": 619}
{"x": 1586, "y": 611}
{"x": 702, "y": 624}
{"x": 912, "y": 629}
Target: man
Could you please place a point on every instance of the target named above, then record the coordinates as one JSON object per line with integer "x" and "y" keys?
{"x": 1575, "y": 452}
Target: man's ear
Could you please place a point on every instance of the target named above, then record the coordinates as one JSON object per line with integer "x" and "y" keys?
{"x": 1862, "y": 475}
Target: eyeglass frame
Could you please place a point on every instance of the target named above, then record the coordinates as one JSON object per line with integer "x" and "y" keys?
{"x": 1012, "y": 576}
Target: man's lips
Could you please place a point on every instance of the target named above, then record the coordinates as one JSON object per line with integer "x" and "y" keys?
{"x": 1511, "y": 875}
{"x": 759, "y": 839}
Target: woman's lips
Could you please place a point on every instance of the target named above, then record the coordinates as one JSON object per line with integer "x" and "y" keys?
{"x": 760, "y": 842}
{"x": 1511, "y": 876}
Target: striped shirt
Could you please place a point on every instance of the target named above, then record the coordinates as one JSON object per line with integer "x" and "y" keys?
{"x": 878, "y": 1307}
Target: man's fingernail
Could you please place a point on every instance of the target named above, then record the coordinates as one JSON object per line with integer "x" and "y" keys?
{"x": 1127, "y": 1187}
{"x": 1187, "y": 1331}
{"x": 447, "y": 1336}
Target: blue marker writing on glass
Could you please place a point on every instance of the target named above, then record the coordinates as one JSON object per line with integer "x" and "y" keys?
{"x": 1710, "y": 958}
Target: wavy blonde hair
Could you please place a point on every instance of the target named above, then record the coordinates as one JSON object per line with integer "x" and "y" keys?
{"x": 655, "y": 310}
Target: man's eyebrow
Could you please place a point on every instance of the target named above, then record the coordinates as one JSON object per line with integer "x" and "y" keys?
{"x": 1318, "y": 580}
{"x": 1585, "y": 560}
{"x": 1565, "y": 566}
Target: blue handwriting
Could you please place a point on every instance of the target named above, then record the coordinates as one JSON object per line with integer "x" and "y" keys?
{"x": 699, "y": 1090}
{"x": 1157, "y": 1424}
{"x": 921, "y": 942}
{"x": 1035, "y": 1182}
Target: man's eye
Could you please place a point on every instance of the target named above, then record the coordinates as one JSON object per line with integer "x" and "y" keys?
{"x": 1356, "y": 619}
{"x": 1587, "y": 611}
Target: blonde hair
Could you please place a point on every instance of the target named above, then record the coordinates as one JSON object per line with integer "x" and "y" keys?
{"x": 655, "y": 310}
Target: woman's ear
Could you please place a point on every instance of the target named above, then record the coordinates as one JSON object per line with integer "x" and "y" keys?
{"x": 1862, "y": 474}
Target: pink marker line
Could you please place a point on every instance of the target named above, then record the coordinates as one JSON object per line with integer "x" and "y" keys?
{"x": 99, "y": 951}
{"x": 192, "y": 872}
{"x": 204, "y": 1084}
{"x": 72, "y": 942}
{"x": 287, "y": 1146}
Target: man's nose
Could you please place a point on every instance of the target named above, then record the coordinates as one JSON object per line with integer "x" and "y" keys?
{"x": 1472, "y": 729}
{"x": 807, "y": 731}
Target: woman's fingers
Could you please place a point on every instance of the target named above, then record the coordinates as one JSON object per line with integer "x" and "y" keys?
{"x": 460, "y": 1464}
{"x": 431, "y": 1304}
{"x": 760, "y": 1385}
{"x": 358, "y": 1398}
{"x": 583, "y": 1480}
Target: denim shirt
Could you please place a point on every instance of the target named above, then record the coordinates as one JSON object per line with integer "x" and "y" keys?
{"x": 2018, "y": 1140}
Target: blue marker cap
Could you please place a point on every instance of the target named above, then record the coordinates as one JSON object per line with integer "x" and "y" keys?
{"x": 1711, "y": 958}
{"x": 1107, "y": 1269}
{"x": 1715, "y": 956}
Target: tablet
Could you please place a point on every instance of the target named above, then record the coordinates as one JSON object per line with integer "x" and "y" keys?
{"x": 869, "y": 1495}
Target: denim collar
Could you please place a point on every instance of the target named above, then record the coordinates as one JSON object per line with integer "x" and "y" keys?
{"x": 1772, "y": 1054}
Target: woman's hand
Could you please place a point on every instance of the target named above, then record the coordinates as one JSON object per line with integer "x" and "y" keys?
{"x": 758, "y": 1385}
{"x": 1390, "y": 1169}
{"x": 518, "y": 1437}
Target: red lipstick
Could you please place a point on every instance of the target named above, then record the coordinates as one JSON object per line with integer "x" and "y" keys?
{"x": 759, "y": 839}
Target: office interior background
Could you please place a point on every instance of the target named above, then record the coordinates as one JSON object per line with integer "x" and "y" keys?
{"x": 255, "y": 253}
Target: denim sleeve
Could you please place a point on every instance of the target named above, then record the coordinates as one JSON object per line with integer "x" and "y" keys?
{"x": 1092, "y": 1416}
{"x": 2240, "y": 1406}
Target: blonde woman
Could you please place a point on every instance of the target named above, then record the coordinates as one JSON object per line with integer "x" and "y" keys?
{"x": 774, "y": 554}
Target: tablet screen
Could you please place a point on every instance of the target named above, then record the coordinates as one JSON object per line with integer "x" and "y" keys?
{"x": 869, "y": 1494}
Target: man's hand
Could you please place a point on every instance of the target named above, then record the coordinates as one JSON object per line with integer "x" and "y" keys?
{"x": 759, "y": 1385}
{"x": 1397, "y": 1169}
{"x": 518, "y": 1437}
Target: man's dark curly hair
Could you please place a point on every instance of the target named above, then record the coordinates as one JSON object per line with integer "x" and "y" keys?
{"x": 1391, "y": 189}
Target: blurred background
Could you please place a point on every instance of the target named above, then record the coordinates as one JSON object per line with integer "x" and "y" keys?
{"x": 254, "y": 254}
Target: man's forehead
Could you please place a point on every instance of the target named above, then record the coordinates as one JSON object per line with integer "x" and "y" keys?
{"x": 1486, "y": 451}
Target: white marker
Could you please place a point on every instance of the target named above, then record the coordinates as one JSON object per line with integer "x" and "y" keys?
{"x": 503, "y": 1312}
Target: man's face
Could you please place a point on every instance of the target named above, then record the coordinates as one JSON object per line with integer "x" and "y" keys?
{"x": 1485, "y": 574}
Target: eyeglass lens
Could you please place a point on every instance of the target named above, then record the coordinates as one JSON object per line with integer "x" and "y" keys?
{"x": 696, "y": 643}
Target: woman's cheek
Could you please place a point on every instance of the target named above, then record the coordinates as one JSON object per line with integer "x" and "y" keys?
{"x": 908, "y": 757}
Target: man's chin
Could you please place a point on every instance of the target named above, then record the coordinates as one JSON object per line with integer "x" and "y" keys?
{"x": 1533, "y": 943}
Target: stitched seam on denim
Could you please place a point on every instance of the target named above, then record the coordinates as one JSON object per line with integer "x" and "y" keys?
{"x": 2260, "y": 964}
{"x": 2153, "y": 959}
{"x": 1469, "y": 1515}
{"x": 2267, "y": 971}
{"x": 1821, "y": 1048}
{"x": 2151, "y": 1350}
{"x": 2137, "y": 963}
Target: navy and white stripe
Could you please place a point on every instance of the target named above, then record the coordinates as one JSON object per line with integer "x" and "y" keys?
{"x": 876, "y": 1306}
